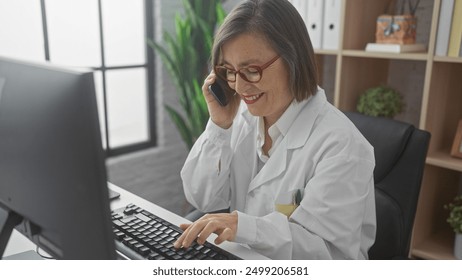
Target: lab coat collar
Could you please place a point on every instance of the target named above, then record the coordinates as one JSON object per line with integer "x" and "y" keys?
{"x": 305, "y": 119}
{"x": 247, "y": 138}
{"x": 303, "y": 124}
{"x": 296, "y": 137}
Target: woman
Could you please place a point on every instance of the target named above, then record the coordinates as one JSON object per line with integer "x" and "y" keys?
{"x": 294, "y": 171}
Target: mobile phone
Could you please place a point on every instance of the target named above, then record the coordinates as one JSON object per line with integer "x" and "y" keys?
{"x": 217, "y": 91}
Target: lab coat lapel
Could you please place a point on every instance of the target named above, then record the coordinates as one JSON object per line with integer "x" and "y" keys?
{"x": 304, "y": 123}
{"x": 296, "y": 137}
{"x": 274, "y": 167}
{"x": 247, "y": 142}
{"x": 245, "y": 147}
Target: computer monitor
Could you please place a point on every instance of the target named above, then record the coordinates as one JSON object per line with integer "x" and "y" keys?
{"x": 53, "y": 185}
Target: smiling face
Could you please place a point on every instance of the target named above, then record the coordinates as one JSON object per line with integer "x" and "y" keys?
{"x": 269, "y": 97}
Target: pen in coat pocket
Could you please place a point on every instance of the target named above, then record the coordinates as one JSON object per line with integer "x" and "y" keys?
{"x": 297, "y": 197}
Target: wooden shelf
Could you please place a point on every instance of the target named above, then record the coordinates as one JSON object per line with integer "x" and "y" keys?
{"x": 432, "y": 88}
{"x": 399, "y": 56}
{"x": 326, "y": 52}
{"x": 438, "y": 246}
{"x": 448, "y": 59}
{"x": 445, "y": 160}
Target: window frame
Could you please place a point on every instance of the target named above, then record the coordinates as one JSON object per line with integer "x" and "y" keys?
{"x": 150, "y": 74}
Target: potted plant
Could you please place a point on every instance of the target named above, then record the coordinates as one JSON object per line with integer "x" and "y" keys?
{"x": 455, "y": 221}
{"x": 381, "y": 101}
{"x": 186, "y": 56}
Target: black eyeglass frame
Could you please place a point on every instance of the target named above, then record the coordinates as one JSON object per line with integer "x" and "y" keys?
{"x": 258, "y": 68}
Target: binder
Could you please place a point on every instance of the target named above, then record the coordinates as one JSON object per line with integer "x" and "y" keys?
{"x": 315, "y": 21}
{"x": 460, "y": 51}
{"x": 331, "y": 25}
{"x": 456, "y": 30}
{"x": 444, "y": 27}
{"x": 302, "y": 8}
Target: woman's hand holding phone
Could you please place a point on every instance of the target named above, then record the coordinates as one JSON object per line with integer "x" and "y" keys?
{"x": 222, "y": 106}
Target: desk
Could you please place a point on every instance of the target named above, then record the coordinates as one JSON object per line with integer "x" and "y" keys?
{"x": 18, "y": 243}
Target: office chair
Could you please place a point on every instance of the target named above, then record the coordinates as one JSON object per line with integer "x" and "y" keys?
{"x": 400, "y": 150}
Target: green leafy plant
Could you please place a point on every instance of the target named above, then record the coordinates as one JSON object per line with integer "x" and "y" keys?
{"x": 455, "y": 214}
{"x": 380, "y": 101}
{"x": 185, "y": 55}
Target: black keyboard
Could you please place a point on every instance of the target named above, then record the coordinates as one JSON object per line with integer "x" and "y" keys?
{"x": 140, "y": 234}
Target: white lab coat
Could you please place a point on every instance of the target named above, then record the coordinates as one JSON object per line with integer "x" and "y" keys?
{"x": 322, "y": 154}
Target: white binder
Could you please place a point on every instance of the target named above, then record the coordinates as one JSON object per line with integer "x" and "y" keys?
{"x": 314, "y": 22}
{"x": 331, "y": 25}
{"x": 302, "y": 8}
{"x": 444, "y": 27}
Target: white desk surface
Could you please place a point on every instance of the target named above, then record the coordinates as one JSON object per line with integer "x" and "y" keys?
{"x": 18, "y": 243}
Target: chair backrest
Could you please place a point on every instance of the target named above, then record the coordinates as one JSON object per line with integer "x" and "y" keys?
{"x": 400, "y": 150}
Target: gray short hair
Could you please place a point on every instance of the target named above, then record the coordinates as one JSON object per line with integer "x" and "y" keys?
{"x": 282, "y": 26}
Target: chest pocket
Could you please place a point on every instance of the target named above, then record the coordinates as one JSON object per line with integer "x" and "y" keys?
{"x": 287, "y": 201}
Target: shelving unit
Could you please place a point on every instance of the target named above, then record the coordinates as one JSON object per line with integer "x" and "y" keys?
{"x": 432, "y": 89}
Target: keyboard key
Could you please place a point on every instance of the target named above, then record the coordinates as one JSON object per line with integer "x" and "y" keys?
{"x": 143, "y": 217}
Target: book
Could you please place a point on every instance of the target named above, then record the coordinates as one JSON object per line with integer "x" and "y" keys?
{"x": 444, "y": 27}
{"x": 395, "y": 48}
{"x": 456, "y": 30}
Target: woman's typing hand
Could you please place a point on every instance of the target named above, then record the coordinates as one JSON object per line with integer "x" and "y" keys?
{"x": 223, "y": 224}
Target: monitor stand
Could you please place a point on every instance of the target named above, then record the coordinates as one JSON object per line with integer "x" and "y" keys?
{"x": 26, "y": 255}
{"x": 8, "y": 220}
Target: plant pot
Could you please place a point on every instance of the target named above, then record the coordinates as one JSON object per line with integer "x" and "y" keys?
{"x": 458, "y": 246}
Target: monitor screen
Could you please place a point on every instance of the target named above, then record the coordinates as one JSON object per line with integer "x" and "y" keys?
{"x": 53, "y": 185}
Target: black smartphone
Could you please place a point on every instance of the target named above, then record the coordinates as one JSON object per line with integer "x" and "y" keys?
{"x": 218, "y": 92}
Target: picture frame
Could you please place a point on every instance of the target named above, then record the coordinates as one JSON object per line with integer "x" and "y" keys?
{"x": 456, "y": 150}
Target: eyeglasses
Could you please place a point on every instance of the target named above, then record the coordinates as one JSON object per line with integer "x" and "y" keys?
{"x": 251, "y": 73}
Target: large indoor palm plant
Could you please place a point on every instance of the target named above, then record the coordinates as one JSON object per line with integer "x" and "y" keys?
{"x": 186, "y": 54}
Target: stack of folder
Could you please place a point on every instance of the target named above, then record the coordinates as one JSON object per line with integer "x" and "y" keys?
{"x": 449, "y": 32}
{"x": 322, "y": 18}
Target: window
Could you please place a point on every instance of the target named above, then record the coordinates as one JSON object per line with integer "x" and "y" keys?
{"x": 108, "y": 36}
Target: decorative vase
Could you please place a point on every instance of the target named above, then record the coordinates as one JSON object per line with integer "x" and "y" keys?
{"x": 458, "y": 246}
